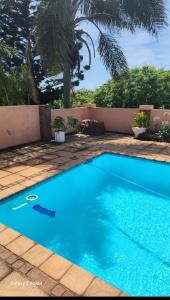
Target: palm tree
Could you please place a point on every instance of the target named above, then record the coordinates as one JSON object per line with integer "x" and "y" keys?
{"x": 61, "y": 32}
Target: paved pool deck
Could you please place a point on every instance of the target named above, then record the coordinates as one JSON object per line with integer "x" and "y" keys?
{"x": 27, "y": 268}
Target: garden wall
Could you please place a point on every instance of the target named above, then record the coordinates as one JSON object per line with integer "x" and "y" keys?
{"x": 24, "y": 124}
{"x": 18, "y": 125}
{"x": 163, "y": 114}
{"x": 115, "y": 119}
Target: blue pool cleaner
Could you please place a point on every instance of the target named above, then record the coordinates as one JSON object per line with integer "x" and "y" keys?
{"x": 44, "y": 211}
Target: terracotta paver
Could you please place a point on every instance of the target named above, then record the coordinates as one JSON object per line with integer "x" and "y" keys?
{"x": 60, "y": 160}
{"x": 20, "y": 245}
{"x": 58, "y": 291}
{"x": 47, "y": 283}
{"x": 17, "y": 188}
{"x": 56, "y": 266}
{"x": 77, "y": 280}
{"x": 10, "y": 179}
{"x": 11, "y": 259}
{"x": 27, "y": 183}
{"x": 69, "y": 294}
{"x": 18, "y": 264}
{"x": 100, "y": 288}
{"x": 33, "y": 162}
{"x": 5, "y": 254}
{"x": 28, "y": 172}
{"x": 4, "y": 174}
{"x": 45, "y": 166}
{"x": 41, "y": 177}
{"x": 37, "y": 255}
{"x": 16, "y": 284}
{"x": 49, "y": 156}
{"x": 65, "y": 154}
{"x": 17, "y": 168}
{"x": 8, "y": 235}
{"x": 4, "y": 270}
{"x": 2, "y": 227}
{"x": 12, "y": 190}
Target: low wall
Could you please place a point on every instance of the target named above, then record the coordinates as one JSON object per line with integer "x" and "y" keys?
{"x": 18, "y": 125}
{"x": 115, "y": 119}
{"x": 159, "y": 116}
{"x": 23, "y": 124}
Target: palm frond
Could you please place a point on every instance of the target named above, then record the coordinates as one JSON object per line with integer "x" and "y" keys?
{"x": 112, "y": 56}
{"x": 88, "y": 49}
{"x": 130, "y": 14}
{"x": 150, "y": 14}
{"x": 80, "y": 33}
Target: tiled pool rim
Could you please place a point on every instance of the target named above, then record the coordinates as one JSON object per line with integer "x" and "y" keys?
{"x": 68, "y": 278}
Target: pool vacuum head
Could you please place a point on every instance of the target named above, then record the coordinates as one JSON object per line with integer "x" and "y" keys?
{"x": 44, "y": 211}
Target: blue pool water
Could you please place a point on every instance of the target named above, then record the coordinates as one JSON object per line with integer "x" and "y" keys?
{"x": 112, "y": 217}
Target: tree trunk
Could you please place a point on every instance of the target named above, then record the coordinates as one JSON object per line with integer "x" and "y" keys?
{"x": 67, "y": 85}
{"x": 29, "y": 64}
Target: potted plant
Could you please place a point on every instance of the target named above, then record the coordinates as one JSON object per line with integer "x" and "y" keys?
{"x": 140, "y": 124}
{"x": 60, "y": 128}
{"x": 73, "y": 123}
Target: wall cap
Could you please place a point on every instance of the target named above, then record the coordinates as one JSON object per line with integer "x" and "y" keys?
{"x": 89, "y": 105}
{"x": 146, "y": 107}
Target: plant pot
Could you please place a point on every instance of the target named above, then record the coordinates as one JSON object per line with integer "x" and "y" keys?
{"x": 60, "y": 136}
{"x": 138, "y": 131}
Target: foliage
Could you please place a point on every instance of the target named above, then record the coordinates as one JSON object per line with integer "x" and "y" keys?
{"x": 141, "y": 120}
{"x": 78, "y": 99}
{"x": 60, "y": 35}
{"x": 16, "y": 30}
{"x": 14, "y": 85}
{"x": 73, "y": 123}
{"x": 145, "y": 85}
{"x": 6, "y": 55}
{"x": 81, "y": 97}
{"x": 57, "y": 104}
{"x": 59, "y": 124}
{"x": 164, "y": 132}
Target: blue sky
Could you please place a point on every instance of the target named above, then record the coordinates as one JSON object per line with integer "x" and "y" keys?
{"x": 140, "y": 48}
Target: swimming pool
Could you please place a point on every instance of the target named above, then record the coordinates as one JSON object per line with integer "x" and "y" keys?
{"x": 109, "y": 215}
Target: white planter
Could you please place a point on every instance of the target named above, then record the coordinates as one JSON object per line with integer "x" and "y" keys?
{"x": 138, "y": 130}
{"x": 60, "y": 136}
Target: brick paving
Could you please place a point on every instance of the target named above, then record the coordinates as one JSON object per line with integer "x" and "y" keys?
{"x": 39, "y": 271}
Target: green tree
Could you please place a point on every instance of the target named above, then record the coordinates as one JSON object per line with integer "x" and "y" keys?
{"x": 81, "y": 97}
{"x": 146, "y": 85}
{"x": 16, "y": 27}
{"x": 14, "y": 85}
{"x": 60, "y": 31}
{"x": 16, "y": 30}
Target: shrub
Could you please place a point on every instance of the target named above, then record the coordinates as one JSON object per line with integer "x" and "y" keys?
{"x": 73, "y": 123}
{"x": 164, "y": 132}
